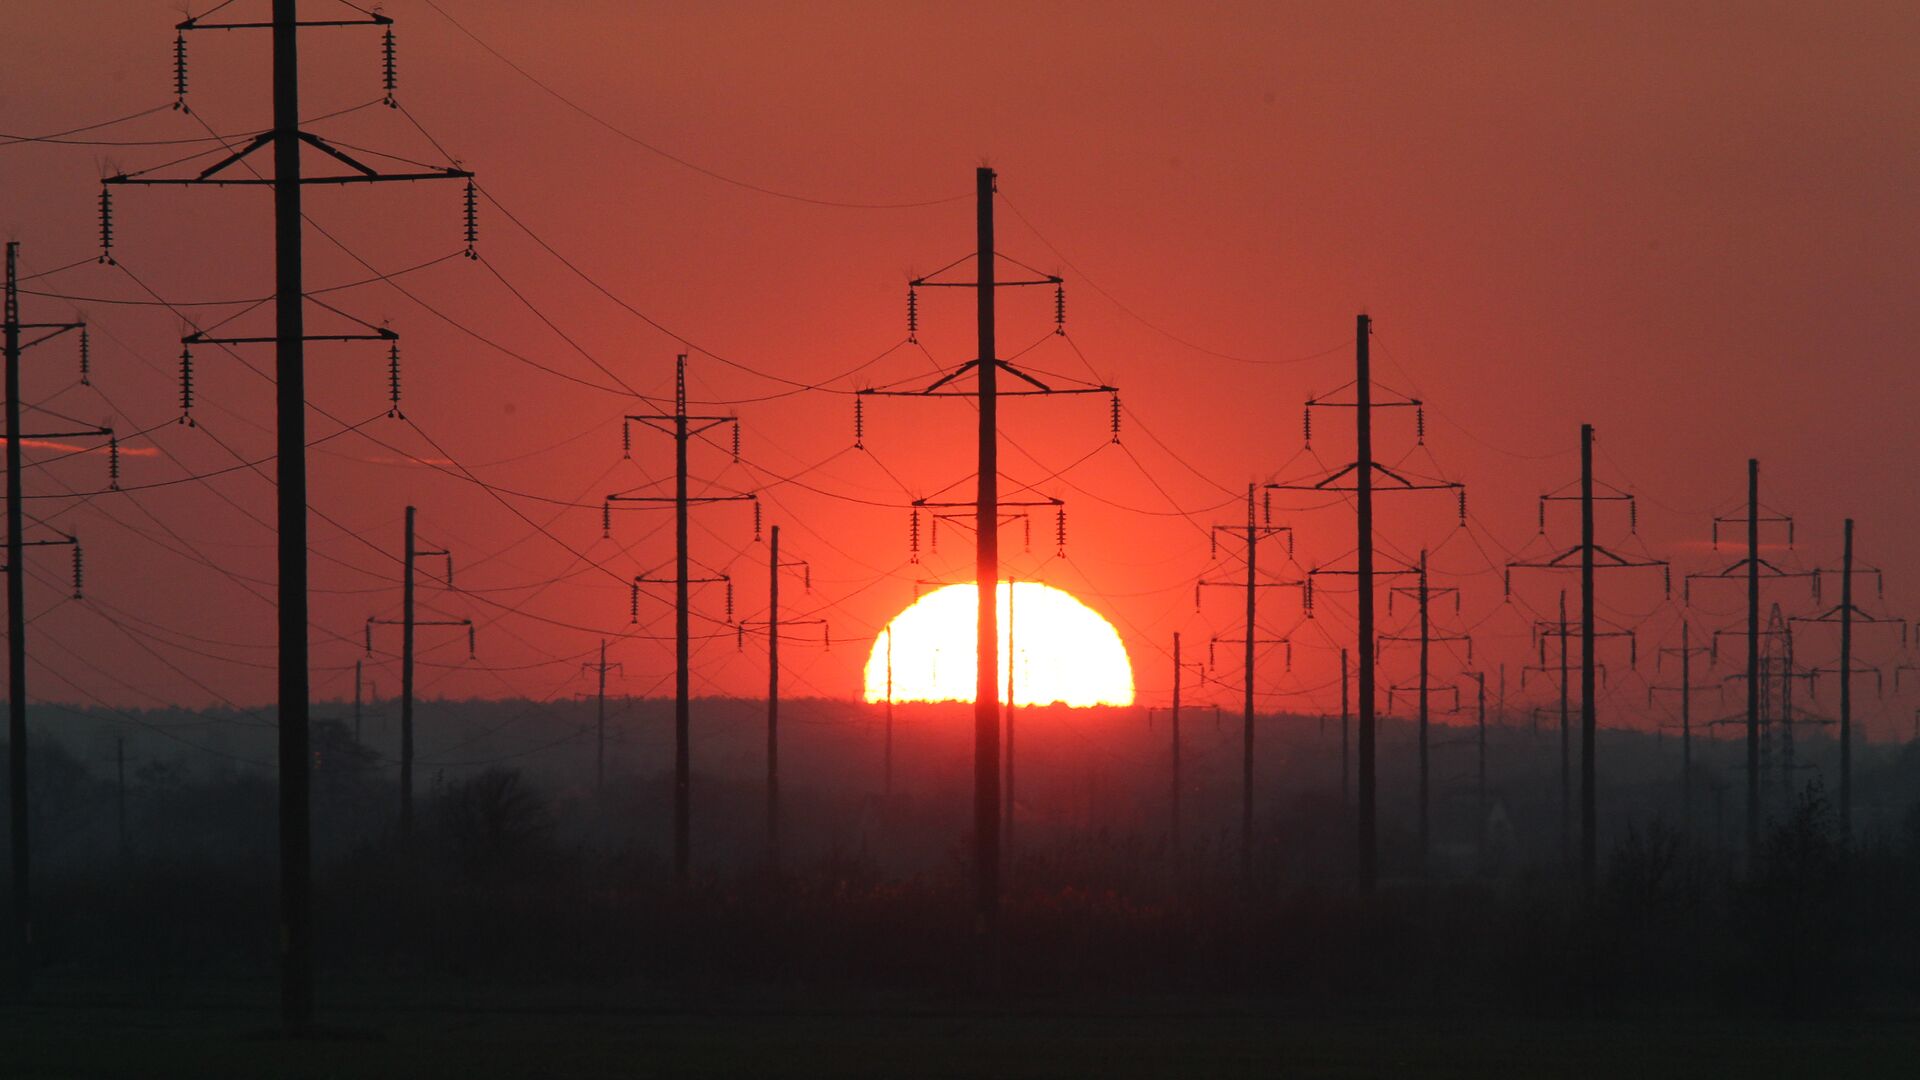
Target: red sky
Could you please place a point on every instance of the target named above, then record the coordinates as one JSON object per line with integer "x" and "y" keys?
{"x": 1690, "y": 225}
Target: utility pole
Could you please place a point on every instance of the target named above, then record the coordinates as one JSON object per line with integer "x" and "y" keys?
{"x": 1006, "y": 813}
{"x": 1755, "y": 569}
{"x": 773, "y": 623}
{"x": 1686, "y": 653}
{"x": 1588, "y": 553}
{"x": 1423, "y": 593}
{"x": 600, "y": 716}
{"x": 1173, "y": 790}
{"x": 408, "y": 622}
{"x": 290, "y": 462}
{"x": 1563, "y": 630}
{"x": 987, "y": 366}
{"x": 887, "y": 787}
{"x": 1359, "y": 477}
{"x": 356, "y": 701}
{"x": 682, "y": 427}
{"x": 1480, "y": 742}
{"x": 1179, "y": 669}
{"x": 20, "y": 836}
{"x": 1847, "y": 614}
{"x": 1250, "y": 534}
{"x": 1346, "y": 714}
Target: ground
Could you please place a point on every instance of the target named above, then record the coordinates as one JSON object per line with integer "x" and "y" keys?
{"x": 1186, "y": 1038}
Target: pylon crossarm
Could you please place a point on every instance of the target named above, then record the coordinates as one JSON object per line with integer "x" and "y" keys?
{"x": 81, "y": 434}
{"x": 188, "y": 181}
{"x": 373, "y": 18}
{"x": 201, "y": 339}
{"x": 54, "y": 331}
{"x": 337, "y": 154}
{"x": 1620, "y": 561}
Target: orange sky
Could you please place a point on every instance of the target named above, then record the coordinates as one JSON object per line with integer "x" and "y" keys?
{"x": 1691, "y": 226}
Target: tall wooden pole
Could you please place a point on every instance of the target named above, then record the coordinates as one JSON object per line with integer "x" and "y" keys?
{"x": 986, "y": 694}
{"x": 1480, "y": 742}
{"x": 1173, "y": 791}
{"x": 887, "y": 762}
{"x": 773, "y": 696}
{"x": 1566, "y": 753}
{"x": 1346, "y": 710}
{"x": 682, "y": 677}
{"x": 1426, "y": 801}
{"x": 600, "y": 723}
{"x": 290, "y": 473}
{"x": 1246, "y": 728}
{"x": 20, "y": 837}
{"x": 1006, "y": 816}
{"x": 1754, "y": 688}
{"x": 1686, "y": 725}
{"x": 1589, "y": 815}
{"x": 406, "y": 681}
{"x": 1846, "y": 686}
{"x": 1363, "y": 497}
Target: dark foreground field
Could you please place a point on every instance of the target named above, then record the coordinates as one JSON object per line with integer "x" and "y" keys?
{"x": 1184, "y": 1038}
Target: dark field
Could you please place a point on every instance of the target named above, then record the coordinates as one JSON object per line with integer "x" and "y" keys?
{"x": 1185, "y": 1037}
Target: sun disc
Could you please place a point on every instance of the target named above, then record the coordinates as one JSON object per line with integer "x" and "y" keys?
{"x": 1063, "y": 651}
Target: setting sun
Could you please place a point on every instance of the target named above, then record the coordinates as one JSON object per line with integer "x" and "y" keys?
{"x": 1065, "y": 651}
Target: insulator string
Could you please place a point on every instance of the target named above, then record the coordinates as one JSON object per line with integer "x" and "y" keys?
{"x": 387, "y": 69}
{"x": 472, "y": 219}
{"x": 393, "y": 382}
{"x": 106, "y": 226}
{"x": 186, "y": 387}
{"x": 180, "y": 73}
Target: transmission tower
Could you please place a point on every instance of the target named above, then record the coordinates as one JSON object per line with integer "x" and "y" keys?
{"x": 1685, "y": 652}
{"x": 1589, "y": 553}
{"x": 1846, "y": 614}
{"x": 1756, "y": 569}
{"x": 1562, "y": 629}
{"x": 290, "y": 464}
{"x": 1359, "y": 478}
{"x": 683, "y": 427}
{"x": 1173, "y": 791}
{"x": 1423, "y": 594}
{"x": 1250, "y": 535}
{"x": 407, "y": 622}
{"x": 1777, "y": 668}
{"x": 773, "y": 623}
{"x": 600, "y": 715}
{"x": 987, "y": 367}
{"x": 20, "y": 836}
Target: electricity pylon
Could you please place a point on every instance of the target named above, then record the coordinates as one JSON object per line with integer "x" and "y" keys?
{"x": 1562, "y": 629}
{"x": 683, "y": 427}
{"x": 407, "y": 622}
{"x": 1846, "y": 614}
{"x": 1250, "y": 535}
{"x": 1364, "y": 470}
{"x": 1777, "y": 664}
{"x": 1173, "y": 804}
{"x": 1589, "y": 553}
{"x": 1423, "y": 593}
{"x": 773, "y": 623}
{"x": 20, "y": 838}
{"x": 987, "y": 367}
{"x": 600, "y": 715}
{"x": 290, "y": 463}
{"x": 1685, "y": 652}
{"x": 1756, "y": 569}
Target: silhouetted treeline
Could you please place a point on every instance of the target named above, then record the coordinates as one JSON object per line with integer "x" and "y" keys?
{"x": 520, "y": 871}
